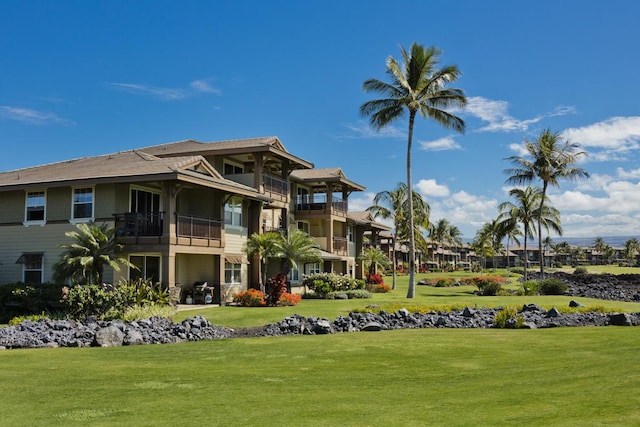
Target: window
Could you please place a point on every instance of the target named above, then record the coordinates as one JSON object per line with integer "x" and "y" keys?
{"x": 148, "y": 268}
{"x": 35, "y": 206}
{"x": 231, "y": 169}
{"x": 294, "y": 275}
{"x": 233, "y": 212}
{"x": 304, "y": 226}
{"x": 82, "y": 203}
{"x": 144, "y": 201}
{"x": 350, "y": 233}
{"x": 32, "y": 263}
{"x": 232, "y": 273}
{"x": 314, "y": 268}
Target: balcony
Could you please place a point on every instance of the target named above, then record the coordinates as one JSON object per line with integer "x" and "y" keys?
{"x": 199, "y": 228}
{"x": 340, "y": 246}
{"x": 275, "y": 187}
{"x": 318, "y": 203}
{"x": 136, "y": 224}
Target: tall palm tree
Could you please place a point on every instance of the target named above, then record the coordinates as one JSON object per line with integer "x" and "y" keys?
{"x": 525, "y": 210}
{"x": 394, "y": 205}
{"x": 551, "y": 159}
{"x": 599, "y": 245}
{"x": 94, "y": 247}
{"x": 266, "y": 247}
{"x": 509, "y": 230}
{"x": 296, "y": 247}
{"x": 631, "y": 249}
{"x": 454, "y": 237}
{"x": 438, "y": 234}
{"x": 491, "y": 234}
{"x": 417, "y": 86}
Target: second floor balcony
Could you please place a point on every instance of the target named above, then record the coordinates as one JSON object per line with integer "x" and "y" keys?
{"x": 137, "y": 225}
{"x": 321, "y": 204}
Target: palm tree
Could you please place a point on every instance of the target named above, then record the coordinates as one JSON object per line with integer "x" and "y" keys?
{"x": 375, "y": 258}
{"x": 631, "y": 249}
{"x": 551, "y": 160}
{"x": 438, "y": 234}
{"x": 264, "y": 246}
{"x": 393, "y": 204}
{"x": 296, "y": 247}
{"x": 491, "y": 234}
{"x": 417, "y": 86}
{"x": 524, "y": 210}
{"x": 599, "y": 245}
{"x": 547, "y": 243}
{"x": 94, "y": 247}
{"x": 454, "y": 237}
{"x": 508, "y": 229}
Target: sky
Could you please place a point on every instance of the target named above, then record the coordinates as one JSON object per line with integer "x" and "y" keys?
{"x": 84, "y": 78}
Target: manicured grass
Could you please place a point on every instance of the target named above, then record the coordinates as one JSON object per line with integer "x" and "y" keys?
{"x": 427, "y": 296}
{"x": 563, "y": 376}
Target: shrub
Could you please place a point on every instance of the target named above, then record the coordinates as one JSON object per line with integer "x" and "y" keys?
{"x": 508, "y": 317}
{"x": 250, "y": 298}
{"x": 440, "y": 282}
{"x": 147, "y": 311}
{"x": 530, "y": 287}
{"x": 487, "y": 285}
{"x": 24, "y": 299}
{"x": 552, "y": 286}
{"x": 32, "y": 318}
{"x": 351, "y": 294}
{"x": 381, "y": 289}
{"x": 287, "y": 299}
{"x": 580, "y": 271}
{"x": 373, "y": 279}
{"x": 324, "y": 283}
{"x": 277, "y": 286}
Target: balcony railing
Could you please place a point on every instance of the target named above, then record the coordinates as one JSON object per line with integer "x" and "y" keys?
{"x": 204, "y": 228}
{"x": 340, "y": 246}
{"x": 319, "y": 203}
{"x": 275, "y": 186}
{"x": 137, "y": 224}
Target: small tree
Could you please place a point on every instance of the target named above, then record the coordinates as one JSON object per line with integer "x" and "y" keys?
{"x": 94, "y": 247}
{"x": 266, "y": 247}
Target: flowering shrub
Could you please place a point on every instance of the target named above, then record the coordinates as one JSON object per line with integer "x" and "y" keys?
{"x": 373, "y": 279}
{"x": 381, "y": 288}
{"x": 487, "y": 285}
{"x": 440, "y": 282}
{"x": 250, "y": 298}
{"x": 287, "y": 299}
{"x": 324, "y": 283}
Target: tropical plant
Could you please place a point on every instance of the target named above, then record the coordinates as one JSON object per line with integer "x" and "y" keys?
{"x": 375, "y": 258}
{"x": 94, "y": 247}
{"x": 417, "y": 86}
{"x": 601, "y": 247}
{"x": 266, "y": 247}
{"x": 525, "y": 210}
{"x": 509, "y": 230}
{"x": 296, "y": 247}
{"x": 631, "y": 249}
{"x": 550, "y": 160}
{"x": 394, "y": 205}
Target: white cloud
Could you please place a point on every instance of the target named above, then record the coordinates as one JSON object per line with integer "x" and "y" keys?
{"x": 361, "y": 202}
{"x": 166, "y": 94}
{"x": 362, "y": 129}
{"x": 619, "y": 134}
{"x": 442, "y": 144}
{"x": 169, "y": 94}
{"x": 27, "y": 115}
{"x": 496, "y": 114}
{"x": 632, "y": 174}
{"x": 430, "y": 188}
{"x": 204, "y": 86}
{"x": 519, "y": 149}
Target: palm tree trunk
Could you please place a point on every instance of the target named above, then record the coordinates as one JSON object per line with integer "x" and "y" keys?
{"x": 526, "y": 261}
{"x": 412, "y": 284}
{"x": 541, "y": 254}
{"x": 393, "y": 261}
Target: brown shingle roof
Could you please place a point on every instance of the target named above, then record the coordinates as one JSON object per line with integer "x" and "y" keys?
{"x": 365, "y": 218}
{"x": 319, "y": 177}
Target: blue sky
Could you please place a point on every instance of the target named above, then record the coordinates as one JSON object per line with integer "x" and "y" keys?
{"x": 82, "y": 78}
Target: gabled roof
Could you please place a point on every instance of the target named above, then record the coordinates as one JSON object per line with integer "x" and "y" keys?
{"x": 365, "y": 218}
{"x": 271, "y": 145}
{"x": 126, "y": 166}
{"x": 319, "y": 178}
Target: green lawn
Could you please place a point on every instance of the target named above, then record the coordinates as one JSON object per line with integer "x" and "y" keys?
{"x": 561, "y": 376}
{"x": 582, "y": 376}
